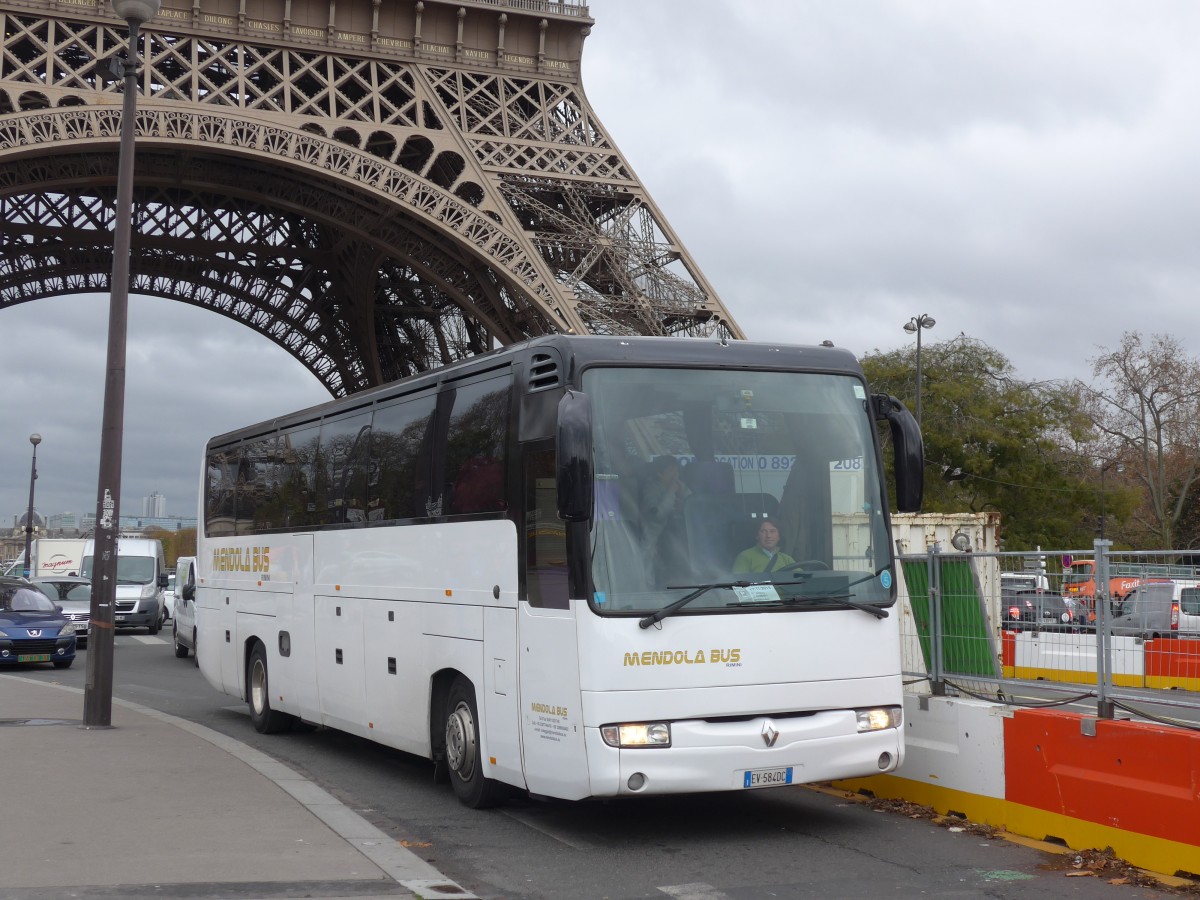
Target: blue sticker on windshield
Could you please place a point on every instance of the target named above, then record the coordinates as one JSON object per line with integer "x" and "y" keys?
{"x": 885, "y": 578}
{"x": 600, "y": 598}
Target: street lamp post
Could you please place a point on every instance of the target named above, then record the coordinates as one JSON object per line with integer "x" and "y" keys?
{"x": 34, "y": 439}
{"x": 1112, "y": 463}
{"x": 914, "y": 326}
{"x": 97, "y": 695}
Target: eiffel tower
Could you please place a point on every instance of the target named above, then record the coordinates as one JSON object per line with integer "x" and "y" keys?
{"x": 378, "y": 186}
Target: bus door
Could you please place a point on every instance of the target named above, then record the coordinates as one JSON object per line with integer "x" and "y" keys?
{"x": 553, "y": 752}
{"x": 552, "y": 739}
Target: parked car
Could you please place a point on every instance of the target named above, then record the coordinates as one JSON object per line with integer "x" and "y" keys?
{"x": 1041, "y": 609}
{"x": 73, "y": 594}
{"x": 32, "y": 627}
{"x": 183, "y": 621}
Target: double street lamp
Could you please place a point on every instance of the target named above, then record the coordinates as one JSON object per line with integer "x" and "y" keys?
{"x": 97, "y": 696}
{"x": 916, "y": 325}
{"x": 34, "y": 439}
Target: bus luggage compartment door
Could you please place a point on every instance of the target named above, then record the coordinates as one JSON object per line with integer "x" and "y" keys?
{"x": 555, "y": 757}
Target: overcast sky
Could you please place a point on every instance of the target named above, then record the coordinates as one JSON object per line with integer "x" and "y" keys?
{"x": 1023, "y": 171}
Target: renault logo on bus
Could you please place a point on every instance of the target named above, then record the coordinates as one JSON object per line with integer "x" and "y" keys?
{"x": 770, "y": 734}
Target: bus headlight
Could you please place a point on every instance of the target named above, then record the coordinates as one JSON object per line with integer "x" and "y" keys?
{"x": 879, "y": 718}
{"x": 637, "y": 734}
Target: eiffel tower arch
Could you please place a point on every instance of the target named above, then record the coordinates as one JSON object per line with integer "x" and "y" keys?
{"x": 378, "y": 186}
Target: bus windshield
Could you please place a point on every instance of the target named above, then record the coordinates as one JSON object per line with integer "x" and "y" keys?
{"x": 761, "y": 486}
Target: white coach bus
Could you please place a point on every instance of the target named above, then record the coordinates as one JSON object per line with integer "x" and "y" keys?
{"x": 550, "y": 568}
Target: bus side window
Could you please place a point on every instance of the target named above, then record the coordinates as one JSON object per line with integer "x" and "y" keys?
{"x": 398, "y": 485}
{"x": 257, "y": 498}
{"x": 220, "y": 489}
{"x": 344, "y": 445}
{"x": 297, "y": 458}
{"x": 475, "y": 448}
{"x": 545, "y": 534}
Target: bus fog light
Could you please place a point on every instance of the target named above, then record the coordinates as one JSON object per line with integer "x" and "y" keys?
{"x": 637, "y": 781}
{"x": 885, "y": 761}
{"x": 637, "y": 734}
{"x": 879, "y": 718}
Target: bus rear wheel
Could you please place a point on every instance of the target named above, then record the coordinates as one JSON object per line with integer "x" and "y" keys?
{"x": 258, "y": 696}
{"x": 463, "y": 754}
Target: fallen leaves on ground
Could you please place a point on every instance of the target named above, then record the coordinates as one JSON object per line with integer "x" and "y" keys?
{"x": 1078, "y": 864}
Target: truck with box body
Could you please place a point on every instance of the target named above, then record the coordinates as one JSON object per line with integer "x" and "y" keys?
{"x": 51, "y": 556}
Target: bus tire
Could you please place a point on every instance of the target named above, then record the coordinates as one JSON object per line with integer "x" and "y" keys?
{"x": 464, "y": 756}
{"x": 258, "y": 696}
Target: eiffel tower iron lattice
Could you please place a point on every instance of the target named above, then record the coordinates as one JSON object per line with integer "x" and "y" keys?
{"x": 378, "y": 186}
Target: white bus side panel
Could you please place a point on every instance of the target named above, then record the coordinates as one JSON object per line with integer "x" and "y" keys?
{"x": 551, "y": 718}
{"x": 340, "y": 662}
{"x": 421, "y": 638}
{"x": 502, "y": 741}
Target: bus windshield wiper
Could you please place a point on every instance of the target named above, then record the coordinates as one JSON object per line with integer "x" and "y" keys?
{"x": 699, "y": 590}
{"x": 840, "y": 599}
{"x": 844, "y": 600}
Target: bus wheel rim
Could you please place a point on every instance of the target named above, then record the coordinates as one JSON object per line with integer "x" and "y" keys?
{"x": 460, "y": 741}
{"x": 258, "y": 686}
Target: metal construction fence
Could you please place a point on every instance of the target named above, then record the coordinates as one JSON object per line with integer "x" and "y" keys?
{"x": 1117, "y": 629}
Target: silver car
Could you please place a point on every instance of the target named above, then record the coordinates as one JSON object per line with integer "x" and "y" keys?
{"x": 73, "y": 594}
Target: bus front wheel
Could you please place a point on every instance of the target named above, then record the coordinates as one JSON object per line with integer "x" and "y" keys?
{"x": 463, "y": 755}
{"x": 258, "y": 696}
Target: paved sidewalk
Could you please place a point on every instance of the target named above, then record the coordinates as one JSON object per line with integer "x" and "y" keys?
{"x": 159, "y": 806}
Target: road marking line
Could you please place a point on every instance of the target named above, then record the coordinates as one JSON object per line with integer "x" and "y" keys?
{"x": 530, "y": 821}
{"x": 698, "y": 891}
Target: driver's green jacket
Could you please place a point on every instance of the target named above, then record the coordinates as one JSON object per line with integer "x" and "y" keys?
{"x": 756, "y": 559}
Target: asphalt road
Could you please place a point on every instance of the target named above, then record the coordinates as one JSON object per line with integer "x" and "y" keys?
{"x": 791, "y": 842}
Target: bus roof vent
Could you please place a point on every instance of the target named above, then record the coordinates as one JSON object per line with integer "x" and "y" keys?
{"x": 543, "y": 373}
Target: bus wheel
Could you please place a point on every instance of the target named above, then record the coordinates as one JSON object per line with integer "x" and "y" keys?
{"x": 462, "y": 749}
{"x": 265, "y": 719}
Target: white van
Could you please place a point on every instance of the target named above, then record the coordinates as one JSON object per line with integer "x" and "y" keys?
{"x": 1160, "y": 608}
{"x": 1187, "y": 595}
{"x": 183, "y": 620}
{"x": 141, "y": 577}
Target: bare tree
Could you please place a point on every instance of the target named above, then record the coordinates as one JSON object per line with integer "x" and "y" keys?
{"x": 1145, "y": 405}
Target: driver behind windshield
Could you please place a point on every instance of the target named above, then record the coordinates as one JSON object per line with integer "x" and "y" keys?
{"x": 765, "y": 555}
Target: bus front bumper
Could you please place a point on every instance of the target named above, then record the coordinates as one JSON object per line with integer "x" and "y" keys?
{"x": 753, "y": 753}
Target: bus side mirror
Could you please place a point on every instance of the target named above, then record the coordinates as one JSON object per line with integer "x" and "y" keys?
{"x": 909, "y": 451}
{"x": 575, "y": 498}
